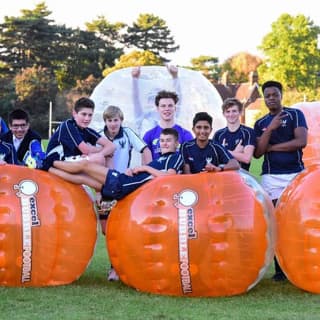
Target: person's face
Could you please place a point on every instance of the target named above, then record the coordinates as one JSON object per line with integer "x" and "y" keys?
{"x": 202, "y": 130}
{"x": 83, "y": 117}
{"x": 272, "y": 99}
{"x": 166, "y": 109}
{"x": 232, "y": 114}
{"x": 168, "y": 143}
{"x": 19, "y": 128}
{"x": 113, "y": 125}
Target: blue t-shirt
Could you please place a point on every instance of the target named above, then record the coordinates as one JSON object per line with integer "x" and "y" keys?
{"x": 231, "y": 139}
{"x": 118, "y": 185}
{"x": 152, "y": 138}
{"x": 281, "y": 162}
{"x": 197, "y": 157}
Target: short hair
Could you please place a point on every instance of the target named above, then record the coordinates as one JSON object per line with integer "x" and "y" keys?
{"x": 229, "y": 102}
{"x": 112, "y": 112}
{"x": 163, "y": 94}
{"x": 272, "y": 83}
{"x": 18, "y": 114}
{"x": 202, "y": 116}
{"x": 171, "y": 131}
{"x": 83, "y": 103}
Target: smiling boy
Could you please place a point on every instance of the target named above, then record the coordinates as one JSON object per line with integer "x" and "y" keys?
{"x": 237, "y": 138}
{"x": 74, "y": 137}
{"x": 202, "y": 154}
{"x": 166, "y": 106}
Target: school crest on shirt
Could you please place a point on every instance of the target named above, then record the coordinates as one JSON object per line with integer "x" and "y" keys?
{"x": 122, "y": 143}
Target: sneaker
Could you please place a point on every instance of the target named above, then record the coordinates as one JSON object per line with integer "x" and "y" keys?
{"x": 112, "y": 275}
{"x": 105, "y": 206}
{"x": 279, "y": 276}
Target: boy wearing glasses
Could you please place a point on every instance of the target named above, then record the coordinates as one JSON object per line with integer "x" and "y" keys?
{"x": 21, "y": 136}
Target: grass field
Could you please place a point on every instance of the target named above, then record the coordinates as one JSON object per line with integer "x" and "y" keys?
{"x": 92, "y": 297}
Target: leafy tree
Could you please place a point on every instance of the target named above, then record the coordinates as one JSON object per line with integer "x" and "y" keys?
{"x": 291, "y": 54}
{"x": 135, "y": 58}
{"x": 208, "y": 66}
{"x": 240, "y": 65}
{"x": 150, "y": 33}
{"x": 111, "y": 36}
{"x": 35, "y": 88}
{"x": 27, "y": 40}
{"x": 70, "y": 54}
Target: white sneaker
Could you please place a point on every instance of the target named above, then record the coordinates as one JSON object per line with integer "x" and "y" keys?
{"x": 105, "y": 206}
{"x": 112, "y": 275}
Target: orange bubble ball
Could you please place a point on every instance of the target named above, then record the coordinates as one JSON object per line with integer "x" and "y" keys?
{"x": 298, "y": 230}
{"x": 207, "y": 234}
{"x": 48, "y": 228}
{"x": 311, "y": 111}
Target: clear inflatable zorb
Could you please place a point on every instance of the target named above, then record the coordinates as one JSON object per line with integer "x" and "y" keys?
{"x": 195, "y": 93}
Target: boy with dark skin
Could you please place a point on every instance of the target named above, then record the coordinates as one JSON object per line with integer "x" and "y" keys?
{"x": 281, "y": 136}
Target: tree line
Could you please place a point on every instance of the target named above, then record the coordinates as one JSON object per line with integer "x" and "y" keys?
{"x": 41, "y": 61}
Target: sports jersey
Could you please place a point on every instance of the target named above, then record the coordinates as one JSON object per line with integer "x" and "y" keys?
{"x": 197, "y": 157}
{"x": 282, "y": 162}
{"x": 125, "y": 141}
{"x": 118, "y": 185}
{"x": 65, "y": 141}
{"x": 231, "y": 139}
{"x": 8, "y": 153}
{"x": 152, "y": 138}
{"x": 24, "y": 144}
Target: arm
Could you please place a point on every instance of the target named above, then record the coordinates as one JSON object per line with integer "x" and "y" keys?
{"x": 263, "y": 141}
{"x": 137, "y": 107}
{"x": 298, "y": 142}
{"x": 105, "y": 147}
{"x": 154, "y": 172}
{"x": 146, "y": 156}
{"x": 243, "y": 154}
{"x": 139, "y": 145}
{"x": 173, "y": 70}
{"x": 186, "y": 168}
{"x": 232, "y": 164}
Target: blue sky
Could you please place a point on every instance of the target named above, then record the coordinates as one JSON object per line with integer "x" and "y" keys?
{"x": 202, "y": 27}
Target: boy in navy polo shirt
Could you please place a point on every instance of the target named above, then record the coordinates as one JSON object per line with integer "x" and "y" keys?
{"x": 281, "y": 136}
{"x": 202, "y": 154}
{"x": 237, "y": 138}
{"x": 74, "y": 137}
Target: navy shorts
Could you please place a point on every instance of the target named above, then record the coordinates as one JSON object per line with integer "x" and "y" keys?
{"x": 112, "y": 188}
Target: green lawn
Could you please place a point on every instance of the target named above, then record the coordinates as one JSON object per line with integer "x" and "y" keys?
{"x": 92, "y": 297}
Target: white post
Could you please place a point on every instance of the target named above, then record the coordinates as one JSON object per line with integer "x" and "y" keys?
{"x": 50, "y": 119}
